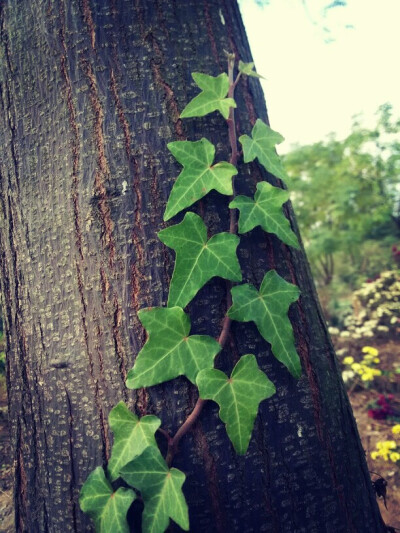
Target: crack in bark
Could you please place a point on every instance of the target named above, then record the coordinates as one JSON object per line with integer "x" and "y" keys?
{"x": 20, "y": 492}
{"x": 72, "y": 482}
{"x": 121, "y": 116}
{"x": 136, "y": 274}
{"x": 74, "y": 132}
{"x": 170, "y": 100}
{"x": 27, "y": 415}
{"x": 103, "y": 171}
{"x": 88, "y": 18}
{"x": 210, "y": 34}
{"x": 266, "y": 474}
{"x": 104, "y": 285}
{"x": 303, "y": 348}
{"x": 119, "y": 348}
{"x": 211, "y": 476}
{"x": 339, "y": 487}
{"x": 135, "y": 172}
{"x": 95, "y": 382}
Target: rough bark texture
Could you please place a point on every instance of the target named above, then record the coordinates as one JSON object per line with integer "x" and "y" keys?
{"x": 90, "y": 93}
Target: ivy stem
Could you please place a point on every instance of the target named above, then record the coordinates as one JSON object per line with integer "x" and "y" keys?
{"x": 185, "y": 427}
{"x": 231, "y": 118}
{"x": 194, "y": 415}
{"x": 237, "y": 80}
{"x": 165, "y": 434}
{"x": 223, "y": 337}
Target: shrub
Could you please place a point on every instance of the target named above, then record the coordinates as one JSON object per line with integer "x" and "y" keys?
{"x": 376, "y": 308}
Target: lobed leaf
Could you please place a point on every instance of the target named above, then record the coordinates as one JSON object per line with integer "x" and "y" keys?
{"x": 161, "y": 490}
{"x": 169, "y": 351}
{"x": 248, "y": 69}
{"x": 212, "y": 96}
{"x": 265, "y": 211}
{"x": 131, "y": 436}
{"x": 199, "y": 176}
{"x": 268, "y": 309}
{"x": 107, "y": 508}
{"x": 198, "y": 259}
{"x": 237, "y": 396}
{"x": 262, "y": 145}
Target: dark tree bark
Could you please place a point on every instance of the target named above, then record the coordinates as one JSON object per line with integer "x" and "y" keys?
{"x": 90, "y": 93}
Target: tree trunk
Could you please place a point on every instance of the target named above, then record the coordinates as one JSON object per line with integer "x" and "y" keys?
{"x": 90, "y": 94}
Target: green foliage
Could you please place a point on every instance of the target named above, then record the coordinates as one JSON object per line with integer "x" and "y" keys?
{"x": 161, "y": 490}
{"x": 198, "y": 259}
{"x": 265, "y": 211}
{"x": 248, "y": 69}
{"x": 212, "y": 96}
{"x": 237, "y": 396}
{"x": 261, "y": 145}
{"x": 345, "y": 194}
{"x": 199, "y": 175}
{"x": 169, "y": 351}
{"x": 106, "y": 508}
{"x": 131, "y": 436}
{"x": 268, "y": 309}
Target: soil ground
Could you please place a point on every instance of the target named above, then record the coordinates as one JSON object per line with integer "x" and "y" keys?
{"x": 371, "y": 431}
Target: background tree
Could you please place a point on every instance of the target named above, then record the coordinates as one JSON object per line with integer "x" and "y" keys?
{"x": 346, "y": 196}
{"x": 90, "y": 93}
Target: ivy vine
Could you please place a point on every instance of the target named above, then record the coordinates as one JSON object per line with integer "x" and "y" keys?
{"x": 170, "y": 351}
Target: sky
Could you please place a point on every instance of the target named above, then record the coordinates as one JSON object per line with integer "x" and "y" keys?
{"x": 324, "y": 67}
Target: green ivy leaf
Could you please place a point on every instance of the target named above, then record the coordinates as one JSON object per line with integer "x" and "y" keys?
{"x": 198, "y": 259}
{"x": 248, "y": 69}
{"x": 161, "y": 490}
{"x": 262, "y": 146}
{"x": 131, "y": 436}
{"x": 107, "y": 508}
{"x": 268, "y": 309}
{"x": 237, "y": 396}
{"x": 199, "y": 176}
{"x": 169, "y": 351}
{"x": 265, "y": 211}
{"x": 212, "y": 96}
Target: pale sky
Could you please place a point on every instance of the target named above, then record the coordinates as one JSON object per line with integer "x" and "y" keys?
{"x": 315, "y": 80}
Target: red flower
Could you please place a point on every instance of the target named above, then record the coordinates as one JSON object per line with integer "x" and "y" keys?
{"x": 377, "y": 414}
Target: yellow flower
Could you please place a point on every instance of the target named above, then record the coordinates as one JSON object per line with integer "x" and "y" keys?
{"x": 368, "y": 357}
{"x": 370, "y": 350}
{"x": 356, "y": 367}
{"x": 377, "y": 360}
{"x": 383, "y": 450}
{"x": 396, "y": 429}
{"x": 367, "y": 376}
{"x": 348, "y": 360}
